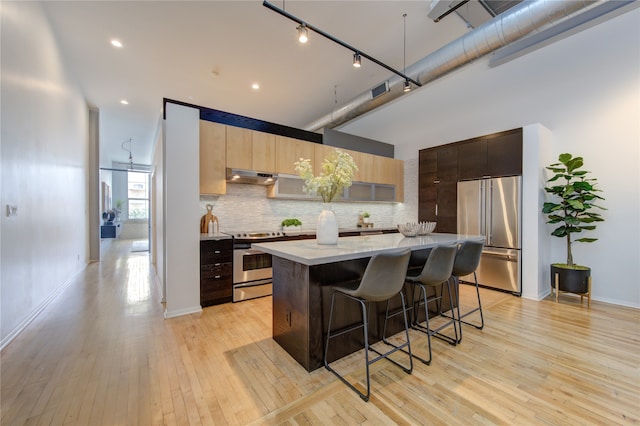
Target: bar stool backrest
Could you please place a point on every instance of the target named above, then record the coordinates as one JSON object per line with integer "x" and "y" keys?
{"x": 439, "y": 265}
{"x": 384, "y": 276}
{"x": 467, "y": 258}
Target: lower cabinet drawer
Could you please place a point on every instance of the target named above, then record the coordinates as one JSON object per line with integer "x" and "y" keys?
{"x": 216, "y": 271}
{"x": 215, "y": 291}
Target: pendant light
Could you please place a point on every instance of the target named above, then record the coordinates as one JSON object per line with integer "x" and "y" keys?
{"x": 129, "y": 149}
{"x": 407, "y": 84}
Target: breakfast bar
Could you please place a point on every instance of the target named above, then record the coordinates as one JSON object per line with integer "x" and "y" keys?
{"x": 303, "y": 273}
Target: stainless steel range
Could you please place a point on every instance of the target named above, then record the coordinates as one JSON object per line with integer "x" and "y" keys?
{"x": 252, "y": 268}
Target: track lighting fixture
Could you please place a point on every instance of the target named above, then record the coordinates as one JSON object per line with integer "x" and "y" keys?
{"x": 407, "y": 86}
{"x": 358, "y": 54}
{"x": 303, "y": 34}
{"x": 357, "y": 60}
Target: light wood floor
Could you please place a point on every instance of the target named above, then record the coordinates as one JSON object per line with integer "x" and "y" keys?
{"x": 102, "y": 354}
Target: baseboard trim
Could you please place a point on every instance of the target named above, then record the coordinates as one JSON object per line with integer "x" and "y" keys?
{"x": 158, "y": 283}
{"x": 181, "y": 312}
{"x": 34, "y": 314}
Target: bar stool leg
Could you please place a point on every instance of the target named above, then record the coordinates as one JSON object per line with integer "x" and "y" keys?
{"x": 365, "y": 327}
{"x": 406, "y": 330}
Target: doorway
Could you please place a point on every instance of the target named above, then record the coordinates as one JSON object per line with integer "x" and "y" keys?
{"x": 127, "y": 208}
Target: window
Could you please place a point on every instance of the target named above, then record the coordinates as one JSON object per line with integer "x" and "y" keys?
{"x": 138, "y": 195}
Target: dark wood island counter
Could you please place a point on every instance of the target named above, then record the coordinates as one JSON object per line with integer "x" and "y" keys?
{"x": 303, "y": 273}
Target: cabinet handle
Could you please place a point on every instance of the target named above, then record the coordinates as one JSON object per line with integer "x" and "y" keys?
{"x": 436, "y": 181}
{"x": 217, "y": 276}
{"x": 217, "y": 251}
{"x": 436, "y": 210}
{"x": 217, "y": 264}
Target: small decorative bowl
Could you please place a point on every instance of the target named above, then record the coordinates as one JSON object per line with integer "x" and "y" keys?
{"x": 409, "y": 229}
{"x": 426, "y": 227}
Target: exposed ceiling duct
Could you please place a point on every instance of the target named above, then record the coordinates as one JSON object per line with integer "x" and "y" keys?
{"x": 526, "y": 18}
{"x": 474, "y": 13}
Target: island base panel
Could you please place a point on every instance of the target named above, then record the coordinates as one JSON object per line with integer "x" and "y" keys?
{"x": 301, "y": 305}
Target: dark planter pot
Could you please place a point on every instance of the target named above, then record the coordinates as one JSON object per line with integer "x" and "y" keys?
{"x": 571, "y": 280}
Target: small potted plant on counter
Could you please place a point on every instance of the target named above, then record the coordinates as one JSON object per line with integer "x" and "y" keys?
{"x": 575, "y": 197}
{"x": 291, "y": 225}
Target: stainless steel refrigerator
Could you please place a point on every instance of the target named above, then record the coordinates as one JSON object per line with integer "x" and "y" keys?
{"x": 492, "y": 207}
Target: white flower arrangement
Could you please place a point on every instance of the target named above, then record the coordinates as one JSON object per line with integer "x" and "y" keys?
{"x": 336, "y": 174}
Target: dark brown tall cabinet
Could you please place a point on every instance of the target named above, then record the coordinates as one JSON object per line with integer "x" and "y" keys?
{"x": 438, "y": 181}
{"x": 441, "y": 167}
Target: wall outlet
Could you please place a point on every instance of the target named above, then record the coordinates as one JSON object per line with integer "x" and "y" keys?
{"x": 12, "y": 210}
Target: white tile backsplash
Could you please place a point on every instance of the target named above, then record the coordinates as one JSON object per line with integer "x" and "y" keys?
{"x": 246, "y": 207}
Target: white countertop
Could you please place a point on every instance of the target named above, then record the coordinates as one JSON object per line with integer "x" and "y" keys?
{"x": 309, "y": 252}
{"x": 215, "y": 236}
{"x": 342, "y": 230}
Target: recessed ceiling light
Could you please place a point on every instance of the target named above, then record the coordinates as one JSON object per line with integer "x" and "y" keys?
{"x": 255, "y": 86}
{"x": 116, "y": 43}
{"x": 124, "y": 102}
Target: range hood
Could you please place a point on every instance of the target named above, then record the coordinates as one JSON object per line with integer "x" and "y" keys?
{"x": 250, "y": 177}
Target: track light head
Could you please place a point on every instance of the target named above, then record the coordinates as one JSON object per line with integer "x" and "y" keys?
{"x": 303, "y": 34}
{"x": 357, "y": 60}
{"x": 407, "y": 86}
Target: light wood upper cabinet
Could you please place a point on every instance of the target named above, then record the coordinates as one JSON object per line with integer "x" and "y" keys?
{"x": 385, "y": 170}
{"x": 263, "y": 152}
{"x": 399, "y": 180}
{"x": 251, "y": 150}
{"x": 367, "y": 166}
{"x": 212, "y": 158}
{"x": 289, "y": 150}
{"x": 239, "y": 148}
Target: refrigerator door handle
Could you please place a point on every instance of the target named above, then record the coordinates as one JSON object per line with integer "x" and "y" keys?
{"x": 507, "y": 254}
{"x": 488, "y": 210}
{"x": 484, "y": 203}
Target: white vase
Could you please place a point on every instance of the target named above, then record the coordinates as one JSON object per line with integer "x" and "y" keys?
{"x": 327, "y": 226}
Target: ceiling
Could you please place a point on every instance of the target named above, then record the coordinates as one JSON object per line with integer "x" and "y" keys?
{"x": 209, "y": 53}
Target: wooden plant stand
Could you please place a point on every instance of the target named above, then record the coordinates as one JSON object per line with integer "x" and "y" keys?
{"x": 582, "y": 295}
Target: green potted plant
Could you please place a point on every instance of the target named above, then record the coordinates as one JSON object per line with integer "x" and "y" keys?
{"x": 575, "y": 197}
{"x": 291, "y": 225}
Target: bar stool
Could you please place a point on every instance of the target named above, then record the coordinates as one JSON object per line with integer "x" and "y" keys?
{"x": 466, "y": 262}
{"x": 436, "y": 272}
{"x": 382, "y": 280}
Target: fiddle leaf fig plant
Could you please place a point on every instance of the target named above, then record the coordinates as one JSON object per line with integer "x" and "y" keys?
{"x": 575, "y": 198}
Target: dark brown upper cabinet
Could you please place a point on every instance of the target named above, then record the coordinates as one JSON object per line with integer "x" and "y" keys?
{"x": 504, "y": 154}
{"x": 472, "y": 159}
{"x": 447, "y": 163}
{"x": 496, "y": 155}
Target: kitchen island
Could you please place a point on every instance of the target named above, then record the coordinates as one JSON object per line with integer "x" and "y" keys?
{"x": 303, "y": 273}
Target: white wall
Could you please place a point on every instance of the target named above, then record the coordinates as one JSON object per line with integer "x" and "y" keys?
{"x": 181, "y": 181}
{"x": 585, "y": 89}
{"x": 44, "y": 168}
